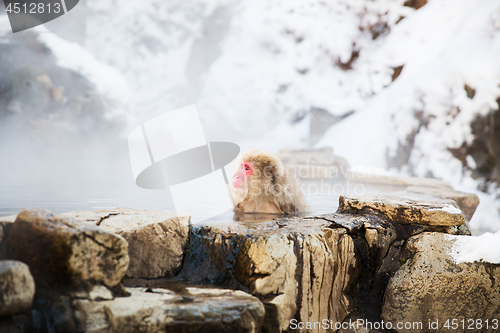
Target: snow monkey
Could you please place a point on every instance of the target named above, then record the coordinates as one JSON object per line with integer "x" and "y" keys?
{"x": 261, "y": 184}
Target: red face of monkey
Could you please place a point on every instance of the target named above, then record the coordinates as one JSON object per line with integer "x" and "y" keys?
{"x": 245, "y": 171}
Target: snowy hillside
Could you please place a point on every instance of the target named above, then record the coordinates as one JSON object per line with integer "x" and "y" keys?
{"x": 256, "y": 68}
{"x": 248, "y": 65}
{"x": 447, "y": 48}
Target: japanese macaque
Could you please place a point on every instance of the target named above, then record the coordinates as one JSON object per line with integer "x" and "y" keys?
{"x": 262, "y": 185}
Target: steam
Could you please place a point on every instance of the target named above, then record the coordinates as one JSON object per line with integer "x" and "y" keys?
{"x": 63, "y": 125}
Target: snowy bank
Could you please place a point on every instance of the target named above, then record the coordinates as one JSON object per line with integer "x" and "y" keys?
{"x": 476, "y": 248}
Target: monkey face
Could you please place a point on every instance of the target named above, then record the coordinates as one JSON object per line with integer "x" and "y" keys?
{"x": 244, "y": 172}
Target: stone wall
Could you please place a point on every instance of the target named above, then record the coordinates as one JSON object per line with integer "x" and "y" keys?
{"x": 377, "y": 259}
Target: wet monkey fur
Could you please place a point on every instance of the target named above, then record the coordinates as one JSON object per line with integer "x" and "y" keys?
{"x": 261, "y": 184}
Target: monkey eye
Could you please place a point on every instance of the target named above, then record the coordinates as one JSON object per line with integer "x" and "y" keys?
{"x": 247, "y": 167}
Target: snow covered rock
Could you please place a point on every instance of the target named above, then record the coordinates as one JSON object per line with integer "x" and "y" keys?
{"x": 482, "y": 248}
{"x": 482, "y": 155}
{"x": 56, "y": 94}
{"x": 431, "y": 287}
{"x": 467, "y": 202}
{"x": 61, "y": 252}
{"x": 156, "y": 239}
{"x": 17, "y": 287}
{"x": 415, "y": 210}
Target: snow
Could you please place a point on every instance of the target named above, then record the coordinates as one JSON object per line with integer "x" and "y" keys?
{"x": 241, "y": 62}
{"x": 443, "y": 46}
{"x": 476, "y": 248}
{"x": 107, "y": 80}
{"x": 255, "y": 68}
{"x": 451, "y": 209}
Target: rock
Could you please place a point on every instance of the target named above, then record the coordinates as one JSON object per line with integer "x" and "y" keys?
{"x": 332, "y": 267}
{"x": 30, "y": 91}
{"x": 155, "y": 310}
{"x": 58, "y": 110}
{"x": 17, "y": 287}
{"x": 301, "y": 269}
{"x": 385, "y": 179}
{"x": 21, "y": 323}
{"x": 430, "y": 286}
{"x": 417, "y": 4}
{"x": 93, "y": 217}
{"x": 62, "y": 252}
{"x": 418, "y": 210}
{"x": 352, "y": 223}
{"x": 8, "y": 219}
{"x": 3, "y": 238}
{"x": 314, "y": 164}
{"x": 156, "y": 239}
{"x": 378, "y": 231}
{"x": 5, "y": 224}
{"x": 379, "y": 238}
{"x": 467, "y": 202}
{"x": 482, "y": 156}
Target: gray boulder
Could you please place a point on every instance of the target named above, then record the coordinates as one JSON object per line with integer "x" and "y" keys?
{"x": 186, "y": 310}
{"x": 431, "y": 288}
{"x": 17, "y": 287}
{"x": 156, "y": 239}
{"x": 467, "y": 202}
{"x": 301, "y": 269}
{"x": 404, "y": 210}
{"x": 62, "y": 252}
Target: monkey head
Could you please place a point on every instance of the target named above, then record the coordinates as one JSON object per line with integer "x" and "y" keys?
{"x": 260, "y": 184}
{"x": 257, "y": 170}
